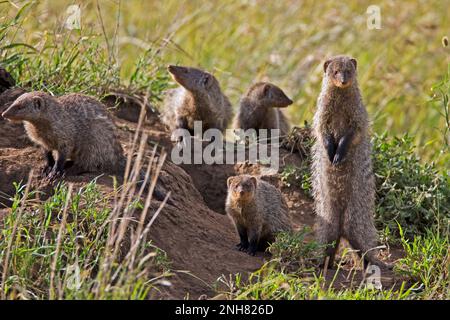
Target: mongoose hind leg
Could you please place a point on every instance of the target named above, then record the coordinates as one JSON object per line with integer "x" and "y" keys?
{"x": 328, "y": 234}
{"x": 58, "y": 167}
{"x": 365, "y": 243}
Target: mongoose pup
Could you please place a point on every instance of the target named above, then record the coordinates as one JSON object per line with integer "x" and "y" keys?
{"x": 343, "y": 181}
{"x": 258, "y": 211}
{"x": 73, "y": 127}
{"x": 199, "y": 98}
{"x": 260, "y": 108}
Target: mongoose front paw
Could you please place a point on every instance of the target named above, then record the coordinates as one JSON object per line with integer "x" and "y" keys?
{"x": 54, "y": 174}
{"x": 252, "y": 250}
{"x": 46, "y": 171}
{"x": 242, "y": 246}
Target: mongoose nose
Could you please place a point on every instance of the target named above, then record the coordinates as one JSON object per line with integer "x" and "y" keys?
{"x": 171, "y": 68}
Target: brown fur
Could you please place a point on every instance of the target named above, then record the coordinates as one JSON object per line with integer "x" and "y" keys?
{"x": 260, "y": 109}
{"x": 258, "y": 211}
{"x": 199, "y": 98}
{"x": 343, "y": 181}
{"x": 75, "y": 127}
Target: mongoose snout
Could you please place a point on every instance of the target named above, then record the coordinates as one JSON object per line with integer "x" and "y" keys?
{"x": 242, "y": 190}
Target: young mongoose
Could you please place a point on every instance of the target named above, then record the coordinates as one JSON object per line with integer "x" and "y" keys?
{"x": 199, "y": 98}
{"x": 258, "y": 211}
{"x": 260, "y": 108}
{"x": 343, "y": 181}
{"x": 73, "y": 127}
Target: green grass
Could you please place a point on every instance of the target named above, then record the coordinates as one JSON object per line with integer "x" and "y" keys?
{"x": 84, "y": 242}
{"x": 60, "y": 248}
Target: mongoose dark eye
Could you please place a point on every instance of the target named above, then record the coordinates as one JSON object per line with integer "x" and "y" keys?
{"x": 205, "y": 80}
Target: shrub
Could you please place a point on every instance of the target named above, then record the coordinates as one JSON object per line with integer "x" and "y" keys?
{"x": 415, "y": 195}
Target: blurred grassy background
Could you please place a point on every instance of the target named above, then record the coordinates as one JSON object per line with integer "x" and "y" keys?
{"x": 248, "y": 40}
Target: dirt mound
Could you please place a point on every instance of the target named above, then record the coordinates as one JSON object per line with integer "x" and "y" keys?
{"x": 198, "y": 238}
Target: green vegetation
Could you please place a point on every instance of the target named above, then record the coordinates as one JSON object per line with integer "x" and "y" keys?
{"x": 81, "y": 243}
{"x": 411, "y": 193}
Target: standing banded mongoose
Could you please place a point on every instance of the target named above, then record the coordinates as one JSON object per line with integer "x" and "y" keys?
{"x": 260, "y": 108}
{"x": 258, "y": 211}
{"x": 199, "y": 98}
{"x": 343, "y": 181}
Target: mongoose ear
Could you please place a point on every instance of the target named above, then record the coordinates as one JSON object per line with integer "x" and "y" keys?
{"x": 229, "y": 181}
{"x": 206, "y": 80}
{"x": 254, "y": 181}
{"x": 38, "y": 103}
{"x": 354, "y": 62}
{"x": 325, "y": 65}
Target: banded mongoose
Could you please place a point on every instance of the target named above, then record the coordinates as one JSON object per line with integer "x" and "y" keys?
{"x": 258, "y": 211}
{"x": 260, "y": 109}
{"x": 343, "y": 181}
{"x": 73, "y": 127}
{"x": 199, "y": 98}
